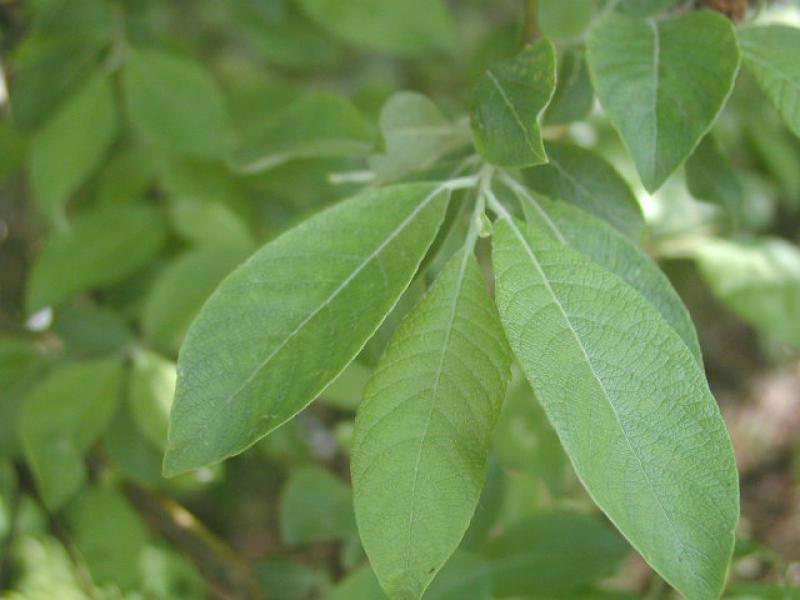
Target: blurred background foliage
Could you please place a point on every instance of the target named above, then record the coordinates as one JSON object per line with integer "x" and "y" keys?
{"x": 147, "y": 147}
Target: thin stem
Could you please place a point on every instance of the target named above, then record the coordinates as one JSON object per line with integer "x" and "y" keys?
{"x": 495, "y": 205}
{"x": 522, "y": 193}
{"x": 531, "y": 30}
{"x": 343, "y": 177}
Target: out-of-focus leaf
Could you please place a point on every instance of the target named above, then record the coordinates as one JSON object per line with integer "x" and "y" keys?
{"x": 407, "y": 28}
{"x": 19, "y": 364}
{"x": 287, "y": 580}
{"x": 464, "y": 577}
{"x": 127, "y": 176}
{"x": 525, "y": 441}
{"x": 558, "y": 19}
{"x": 316, "y": 506}
{"x": 175, "y": 104}
{"x": 508, "y": 104}
{"x": 109, "y": 535}
{"x": 60, "y": 420}
{"x": 779, "y": 155}
{"x": 553, "y": 552}
{"x": 167, "y": 575}
{"x": 99, "y": 248}
{"x": 131, "y": 454}
{"x": 763, "y": 591}
{"x": 150, "y": 392}
{"x": 179, "y": 291}
{"x": 320, "y": 125}
{"x": 71, "y": 145}
{"x": 63, "y": 46}
{"x": 769, "y": 53}
{"x": 91, "y": 329}
{"x": 760, "y": 281}
{"x": 347, "y": 389}
{"x": 574, "y": 95}
{"x": 585, "y": 179}
{"x": 285, "y": 38}
{"x": 416, "y": 135}
{"x": 711, "y": 177}
{"x": 654, "y": 82}
{"x": 642, "y": 8}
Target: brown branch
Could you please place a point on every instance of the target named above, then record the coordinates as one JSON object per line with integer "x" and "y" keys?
{"x": 226, "y": 574}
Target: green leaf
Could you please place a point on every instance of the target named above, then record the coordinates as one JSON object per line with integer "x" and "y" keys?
{"x": 764, "y": 591}
{"x": 663, "y": 83}
{"x": 87, "y": 329}
{"x": 605, "y": 246}
{"x": 203, "y": 200}
{"x": 525, "y": 442}
{"x": 179, "y": 291}
{"x": 319, "y": 125}
{"x": 175, "y": 103}
{"x": 759, "y": 280}
{"x": 508, "y": 103}
{"x": 559, "y": 19}
{"x": 423, "y": 430}
{"x": 315, "y": 506}
{"x": 150, "y": 392}
{"x": 127, "y": 175}
{"x": 642, "y": 8}
{"x": 60, "y": 420}
{"x": 386, "y": 25}
{"x": 769, "y": 53}
{"x": 629, "y": 402}
{"x": 99, "y": 248}
{"x": 416, "y": 135}
{"x": 60, "y": 50}
{"x": 306, "y": 303}
{"x": 711, "y": 177}
{"x": 286, "y": 39}
{"x": 464, "y": 577}
{"x": 553, "y": 553}
{"x": 109, "y": 535}
{"x": 70, "y": 146}
{"x": 585, "y": 179}
{"x": 574, "y": 95}
{"x": 283, "y": 579}
{"x": 19, "y": 367}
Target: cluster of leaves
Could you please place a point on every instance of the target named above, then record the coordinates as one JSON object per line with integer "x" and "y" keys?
{"x": 477, "y": 315}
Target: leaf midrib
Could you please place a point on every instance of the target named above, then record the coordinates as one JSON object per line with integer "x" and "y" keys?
{"x": 578, "y": 341}
{"x": 434, "y": 395}
{"x": 263, "y": 364}
{"x": 517, "y": 118}
{"x": 345, "y": 282}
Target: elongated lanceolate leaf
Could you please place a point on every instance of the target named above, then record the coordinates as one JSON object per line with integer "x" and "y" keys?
{"x": 508, "y": 104}
{"x": 604, "y": 245}
{"x": 629, "y": 402}
{"x": 286, "y": 322}
{"x": 423, "y": 429}
{"x": 59, "y": 421}
{"x": 585, "y": 179}
{"x": 662, "y": 83}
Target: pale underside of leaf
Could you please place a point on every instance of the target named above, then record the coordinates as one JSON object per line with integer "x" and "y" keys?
{"x": 628, "y": 401}
{"x": 613, "y": 251}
